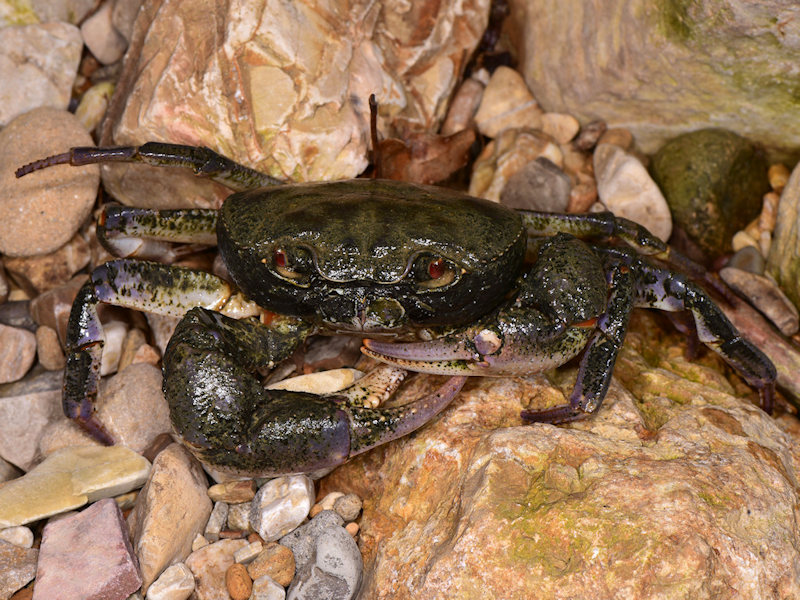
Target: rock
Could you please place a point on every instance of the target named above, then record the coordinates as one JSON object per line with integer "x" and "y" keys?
{"x": 18, "y": 566}
{"x": 42, "y": 61}
{"x": 8, "y": 471}
{"x": 748, "y": 259}
{"x": 114, "y": 333}
{"x": 217, "y": 520}
{"x": 103, "y": 40}
{"x": 589, "y": 135}
{"x": 539, "y": 185}
{"x": 248, "y": 553}
{"x": 562, "y": 128}
{"x": 742, "y": 240}
{"x": 4, "y": 288}
{"x": 124, "y": 15}
{"x": 316, "y": 130}
{"x": 783, "y": 261}
{"x": 672, "y": 461}
{"x": 17, "y": 352}
{"x": 209, "y": 565}
{"x": 175, "y": 583}
{"x": 41, "y": 212}
{"x": 94, "y": 103}
{"x": 462, "y": 109}
{"x": 65, "y": 11}
{"x": 281, "y": 505}
{"x": 325, "y": 504}
{"x": 171, "y": 510}
{"x": 765, "y": 296}
{"x": 505, "y": 156}
{"x": 348, "y": 507}
{"x": 19, "y": 536}
{"x": 507, "y": 104}
{"x": 618, "y": 136}
{"x": 87, "y": 555}
{"x": 650, "y": 66}
{"x": 238, "y": 582}
{"x": 713, "y": 181}
{"x": 274, "y": 561}
{"x": 134, "y": 339}
{"x": 239, "y": 516}
{"x": 68, "y": 479}
{"x": 328, "y": 561}
{"x": 37, "y": 274}
{"x": 48, "y": 349}
{"x": 162, "y": 327}
{"x": 27, "y": 407}
{"x": 323, "y": 382}
{"x": 352, "y": 529}
{"x": 198, "y": 542}
{"x": 581, "y": 198}
{"x": 233, "y": 492}
{"x": 778, "y": 176}
{"x": 627, "y": 190}
{"x": 265, "y": 588}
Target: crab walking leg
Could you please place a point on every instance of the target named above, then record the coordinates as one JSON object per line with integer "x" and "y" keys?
{"x": 146, "y": 233}
{"x": 169, "y": 290}
{"x": 230, "y": 421}
{"x": 203, "y": 161}
{"x": 662, "y": 289}
{"x": 597, "y": 363}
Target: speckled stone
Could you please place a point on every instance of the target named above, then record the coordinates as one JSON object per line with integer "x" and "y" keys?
{"x": 175, "y": 583}
{"x": 209, "y": 564}
{"x": 42, "y": 211}
{"x": 18, "y": 566}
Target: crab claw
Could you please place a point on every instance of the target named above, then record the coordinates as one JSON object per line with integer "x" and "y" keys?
{"x": 516, "y": 342}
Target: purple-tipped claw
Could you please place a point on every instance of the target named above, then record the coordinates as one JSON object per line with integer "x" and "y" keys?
{"x": 438, "y": 357}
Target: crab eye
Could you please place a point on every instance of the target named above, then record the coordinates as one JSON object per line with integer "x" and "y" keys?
{"x": 434, "y": 272}
{"x": 292, "y": 265}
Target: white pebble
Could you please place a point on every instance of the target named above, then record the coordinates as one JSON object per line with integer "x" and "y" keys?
{"x": 114, "y": 333}
{"x": 198, "y": 542}
{"x": 19, "y": 536}
{"x": 175, "y": 583}
{"x": 216, "y": 521}
{"x": 248, "y": 553}
{"x": 266, "y": 588}
{"x": 281, "y": 505}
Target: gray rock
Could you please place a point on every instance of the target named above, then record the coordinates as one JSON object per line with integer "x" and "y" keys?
{"x": 42, "y": 61}
{"x": 329, "y": 564}
{"x": 281, "y": 505}
{"x": 216, "y": 521}
{"x": 539, "y": 185}
{"x": 266, "y": 588}
{"x": 348, "y": 507}
{"x": 748, "y": 259}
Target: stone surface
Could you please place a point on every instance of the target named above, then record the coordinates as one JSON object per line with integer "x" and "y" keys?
{"x": 37, "y": 274}
{"x": 765, "y": 296}
{"x": 216, "y": 521}
{"x": 101, "y": 37}
{"x": 627, "y": 190}
{"x": 17, "y": 352}
{"x": 675, "y": 488}
{"x": 42, "y": 61}
{"x": 783, "y": 262}
{"x": 42, "y": 211}
{"x": 19, "y": 536}
{"x": 263, "y": 90}
{"x": 238, "y": 582}
{"x": 27, "y": 407}
{"x": 562, "y": 128}
{"x": 48, "y": 349}
{"x": 539, "y": 185}
{"x": 233, "y": 492}
{"x": 52, "y": 308}
{"x": 18, "y": 566}
{"x": 209, "y": 564}
{"x": 664, "y": 68}
{"x": 66, "y": 11}
{"x": 94, "y": 103}
{"x": 348, "y": 507}
{"x": 249, "y": 552}
{"x": 87, "y": 556}
{"x": 275, "y": 561}
{"x": 175, "y": 583}
{"x": 265, "y": 588}
{"x": 170, "y": 511}
{"x": 462, "y": 109}
{"x": 748, "y": 259}
{"x": 505, "y": 156}
{"x": 69, "y": 479}
{"x": 328, "y": 561}
{"x": 239, "y": 517}
{"x": 507, "y": 104}
{"x": 280, "y": 505}
{"x": 124, "y": 15}
{"x": 713, "y": 181}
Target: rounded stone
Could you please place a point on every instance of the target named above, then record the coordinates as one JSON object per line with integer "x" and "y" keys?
{"x": 42, "y": 211}
{"x": 281, "y": 505}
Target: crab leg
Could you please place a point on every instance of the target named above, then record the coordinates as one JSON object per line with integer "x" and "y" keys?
{"x": 145, "y": 233}
{"x": 174, "y": 291}
{"x": 203, "y": 161}
{"x": 231, "y": 422}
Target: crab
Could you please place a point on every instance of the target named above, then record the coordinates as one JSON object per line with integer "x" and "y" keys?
{"x": 436, "y": 280}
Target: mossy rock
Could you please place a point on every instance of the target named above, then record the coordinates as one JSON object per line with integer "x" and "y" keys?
{"x": 713, "y": 181}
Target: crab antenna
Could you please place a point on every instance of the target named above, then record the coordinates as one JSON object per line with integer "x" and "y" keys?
{"x": 56, "y": 159}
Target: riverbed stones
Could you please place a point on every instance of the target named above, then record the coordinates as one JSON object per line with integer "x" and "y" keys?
{"x": 713, "y": 181}
{"x": 209, "y": 565}
{"x": 87, "y": 555}
{"x": 41, "y": 212}
{"x": 17, "y": 352}
{"x": 281, "y": 505}
{"x": 18, "y": 566}
{"x": 783, "y": 262}
{"x": 175, "y": 583}
{"x": 172, "y": 508}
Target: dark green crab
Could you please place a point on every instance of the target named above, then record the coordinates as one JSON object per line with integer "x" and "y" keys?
{"x": 439, "y": 281}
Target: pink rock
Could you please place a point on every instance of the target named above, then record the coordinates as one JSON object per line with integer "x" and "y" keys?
{"x": 87, "y": 557}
